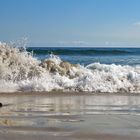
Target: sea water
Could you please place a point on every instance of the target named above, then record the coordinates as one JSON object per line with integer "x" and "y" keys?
{"x": 97, "y": 69}
{"x": 86, "y": 55}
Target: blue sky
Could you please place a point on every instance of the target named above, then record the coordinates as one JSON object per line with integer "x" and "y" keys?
{"x": 94, "y": 23}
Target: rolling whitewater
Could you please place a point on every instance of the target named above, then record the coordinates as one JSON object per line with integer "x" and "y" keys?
{"x": 107, "y": 70}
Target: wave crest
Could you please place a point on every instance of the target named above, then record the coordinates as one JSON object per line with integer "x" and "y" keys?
{"x": 20, "y": 71}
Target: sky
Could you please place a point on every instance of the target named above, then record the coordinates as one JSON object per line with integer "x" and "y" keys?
{"x": 86, "y": 23}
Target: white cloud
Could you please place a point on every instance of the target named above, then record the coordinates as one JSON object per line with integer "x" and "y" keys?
{"x": 137, "y": 23}
{"x": 107, "y": 43}
{"x": 76, "y": 42}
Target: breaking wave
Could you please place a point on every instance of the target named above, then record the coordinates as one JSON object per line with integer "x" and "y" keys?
{"x": 20, "y": 71}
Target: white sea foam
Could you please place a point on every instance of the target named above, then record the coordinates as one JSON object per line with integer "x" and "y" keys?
{"x": 20, "y": 71}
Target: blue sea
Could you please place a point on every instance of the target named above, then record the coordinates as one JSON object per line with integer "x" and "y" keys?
{"x": 86, "y": 55}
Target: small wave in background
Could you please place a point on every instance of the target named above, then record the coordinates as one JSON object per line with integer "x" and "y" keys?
{"x": 85, "y": 55}
{"x": 69, "y": 69}
{"x": 80, "y": 51}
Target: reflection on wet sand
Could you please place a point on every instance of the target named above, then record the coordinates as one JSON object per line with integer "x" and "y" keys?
{"x": 7, "y": 122}
{"x": 69, "y": 115}
{"x": 69, "y": 105}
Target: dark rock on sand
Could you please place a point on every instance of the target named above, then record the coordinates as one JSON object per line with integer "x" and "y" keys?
{"x": 1, "y": 105}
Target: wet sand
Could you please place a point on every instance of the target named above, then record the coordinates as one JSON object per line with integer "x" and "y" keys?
{"x": 69, "y": 116}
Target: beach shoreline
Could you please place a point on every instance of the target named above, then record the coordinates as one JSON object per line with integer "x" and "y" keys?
{"x": 67, "y": 116}
{"x": 68, "y": 93}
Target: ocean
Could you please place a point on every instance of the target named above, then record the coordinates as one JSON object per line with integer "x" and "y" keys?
{"x": 91, "y": 70}
{"x": 86, "y": 55}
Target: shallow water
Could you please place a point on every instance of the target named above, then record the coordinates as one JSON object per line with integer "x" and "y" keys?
{"x": 68, "y": 116}
{"x": 45, "y": 105}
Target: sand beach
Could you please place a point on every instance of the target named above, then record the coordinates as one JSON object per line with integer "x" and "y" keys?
{"x": 69, "y": 116}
